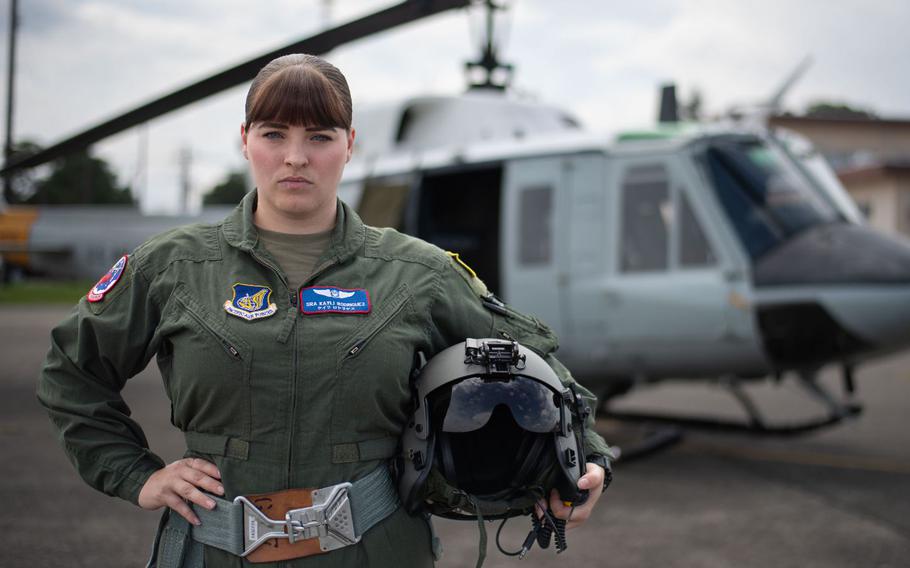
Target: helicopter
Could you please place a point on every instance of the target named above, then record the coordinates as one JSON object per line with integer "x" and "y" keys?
{"x": 685, "y": 251}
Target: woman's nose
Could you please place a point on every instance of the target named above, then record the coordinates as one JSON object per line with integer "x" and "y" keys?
{"x": 296, "y": 157}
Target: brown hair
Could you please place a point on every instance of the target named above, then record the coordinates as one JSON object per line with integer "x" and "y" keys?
{"x": 300, "y": 90}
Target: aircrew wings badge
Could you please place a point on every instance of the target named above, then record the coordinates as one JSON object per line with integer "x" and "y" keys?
{"x": 107, "y": 282}
{"x": 250, "y": 302}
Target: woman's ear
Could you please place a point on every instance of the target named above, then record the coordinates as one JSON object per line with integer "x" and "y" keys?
{"x": 243, "y": 134}
{"x": 350, "y": 144}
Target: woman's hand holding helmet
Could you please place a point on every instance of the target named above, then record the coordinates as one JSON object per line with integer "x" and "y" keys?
{"x": 593, "y": 482}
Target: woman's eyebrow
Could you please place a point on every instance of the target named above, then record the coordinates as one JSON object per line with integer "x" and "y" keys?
{"x": 280, "y": 125}
{"x": 318, "y": 128}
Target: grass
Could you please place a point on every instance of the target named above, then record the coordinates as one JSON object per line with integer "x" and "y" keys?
{"x": 44, "y": 291}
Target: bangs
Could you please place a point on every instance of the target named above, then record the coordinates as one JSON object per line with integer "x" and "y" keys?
{"x": 298, "y": 96}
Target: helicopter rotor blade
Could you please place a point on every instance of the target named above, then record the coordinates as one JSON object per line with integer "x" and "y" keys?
{"x": 774, "y": 102}
{"x": 322, "y": 42}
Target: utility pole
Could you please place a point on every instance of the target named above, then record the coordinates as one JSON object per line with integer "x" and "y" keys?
{"x": 185, "y": 161}
{"x": 10, "y": 93}
{"x": 326, "y": 16}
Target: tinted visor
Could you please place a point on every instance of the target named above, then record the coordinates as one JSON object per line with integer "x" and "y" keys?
{"x": 533, "y": 405}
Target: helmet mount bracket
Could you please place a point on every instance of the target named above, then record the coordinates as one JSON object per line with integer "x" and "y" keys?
{"x": 499, "y": 357}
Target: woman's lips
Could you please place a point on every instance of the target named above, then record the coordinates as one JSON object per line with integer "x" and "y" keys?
{"x": 295, "y": 181}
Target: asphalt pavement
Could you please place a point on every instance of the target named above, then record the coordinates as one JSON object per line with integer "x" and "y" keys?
{"x": 834, "y": 498}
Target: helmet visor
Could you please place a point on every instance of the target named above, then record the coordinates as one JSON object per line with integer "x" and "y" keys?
{"x": 533, "y": 405}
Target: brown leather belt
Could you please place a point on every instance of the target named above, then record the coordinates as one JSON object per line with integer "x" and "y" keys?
{"x": 276, "y": 505}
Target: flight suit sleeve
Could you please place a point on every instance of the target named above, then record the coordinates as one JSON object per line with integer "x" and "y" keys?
{"x": 465, "y": 308}
{"x": 93, "y": 352}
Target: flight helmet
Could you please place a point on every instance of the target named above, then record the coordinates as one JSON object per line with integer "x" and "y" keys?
{"x": 492, "y": 432}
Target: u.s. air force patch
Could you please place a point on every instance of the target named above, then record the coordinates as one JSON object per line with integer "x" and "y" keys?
{"x": 107, "y": 282}
{"x": 250, "y": 302}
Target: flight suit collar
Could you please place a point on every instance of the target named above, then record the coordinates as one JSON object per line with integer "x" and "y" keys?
{"x": 347, "y": 236}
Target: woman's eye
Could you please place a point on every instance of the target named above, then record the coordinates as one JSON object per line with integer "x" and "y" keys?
{"x": 321, "y": 138}
{"x": 273, "y": 135}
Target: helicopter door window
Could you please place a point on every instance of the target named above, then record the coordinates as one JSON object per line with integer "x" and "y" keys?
{"x": 535, "y": 226}
{"x": 694, "y": 249}
{"x": 383, "y": 201}
{"x": 647, "y": 214}
{"x": 459, "y": 210}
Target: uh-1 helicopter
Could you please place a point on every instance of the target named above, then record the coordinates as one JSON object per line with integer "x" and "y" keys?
{"x": 689, "y": 251}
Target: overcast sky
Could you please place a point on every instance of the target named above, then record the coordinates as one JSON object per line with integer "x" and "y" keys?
{"x": 82, "y": 61}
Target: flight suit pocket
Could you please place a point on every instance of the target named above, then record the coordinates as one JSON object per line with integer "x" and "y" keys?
{"x": 373, "y": 365}
{"x": 209, "y": 371}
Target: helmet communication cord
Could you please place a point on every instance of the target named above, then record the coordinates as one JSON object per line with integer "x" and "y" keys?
{"x": 542, "y": 530}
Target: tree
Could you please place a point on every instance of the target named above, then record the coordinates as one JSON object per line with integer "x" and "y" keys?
{"x": 826, "y": 109}
{"x": 80, "y": 178}
{"x": 21, "y": 184}
{"x": 228, "y": 192}
{"x": 691, "y": 110}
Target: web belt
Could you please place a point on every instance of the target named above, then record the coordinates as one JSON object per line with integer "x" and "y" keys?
{"x": 315, "y": 521}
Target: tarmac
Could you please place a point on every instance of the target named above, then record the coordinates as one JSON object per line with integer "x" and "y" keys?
{"x": 833, "y": 498}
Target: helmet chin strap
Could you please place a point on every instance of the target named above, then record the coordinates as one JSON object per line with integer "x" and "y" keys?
{"x": 448, "y": 459}
{"x": 527, "y": 459}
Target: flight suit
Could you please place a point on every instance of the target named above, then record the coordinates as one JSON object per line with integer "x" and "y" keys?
{"x": 287, "y": 400}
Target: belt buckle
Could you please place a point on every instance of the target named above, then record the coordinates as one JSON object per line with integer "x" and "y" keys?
{"x": 329, "y": 519}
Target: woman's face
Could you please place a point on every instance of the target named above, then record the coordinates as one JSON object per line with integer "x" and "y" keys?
{"x": 296, "y": 170}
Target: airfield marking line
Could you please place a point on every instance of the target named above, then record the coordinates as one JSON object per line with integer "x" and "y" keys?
{"x": 805, "y": 458}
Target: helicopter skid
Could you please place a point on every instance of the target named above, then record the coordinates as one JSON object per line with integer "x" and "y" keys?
{"x": 749, "y": 427}
{"x": 754, "y": 423}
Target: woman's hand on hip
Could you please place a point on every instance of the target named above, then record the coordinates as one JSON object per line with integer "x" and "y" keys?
{"x": 180, "y": 482}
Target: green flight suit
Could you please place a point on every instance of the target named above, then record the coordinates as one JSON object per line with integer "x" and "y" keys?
{"x": 285, "y": 401}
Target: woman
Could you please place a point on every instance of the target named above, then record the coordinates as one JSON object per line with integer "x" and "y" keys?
{"x": 284, "y": 335}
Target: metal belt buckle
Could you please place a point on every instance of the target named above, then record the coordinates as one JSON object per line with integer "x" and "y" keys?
{"x": 329, "y": 519}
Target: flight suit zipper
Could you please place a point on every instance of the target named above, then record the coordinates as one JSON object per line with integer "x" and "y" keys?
{"x": 293, "y": 299}
{"x": 292, "y": 421}
{"x": 358, "y": 345}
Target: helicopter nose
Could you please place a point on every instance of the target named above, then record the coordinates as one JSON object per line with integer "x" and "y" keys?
{"x": 835, "y": 254}
{"x": 853, "y": 279}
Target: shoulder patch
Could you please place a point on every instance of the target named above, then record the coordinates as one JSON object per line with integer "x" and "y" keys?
{"x": 108, "y": 281}
{"x": 468, "y": 274}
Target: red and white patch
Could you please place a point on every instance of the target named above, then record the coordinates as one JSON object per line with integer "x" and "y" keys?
{"x": 107, "y": 282}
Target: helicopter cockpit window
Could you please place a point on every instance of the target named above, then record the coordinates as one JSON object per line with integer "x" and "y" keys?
{"x": 694, "y": 249}
{"x": 766, "y": 197}
{"x": 647, "y": 214}
{"x": 535, "y": 226}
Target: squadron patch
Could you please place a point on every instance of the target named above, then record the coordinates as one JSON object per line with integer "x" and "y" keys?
{"x": 107, "y": 282}
{"x": 332, "y": 300}
{"x": 250, "y": 302}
